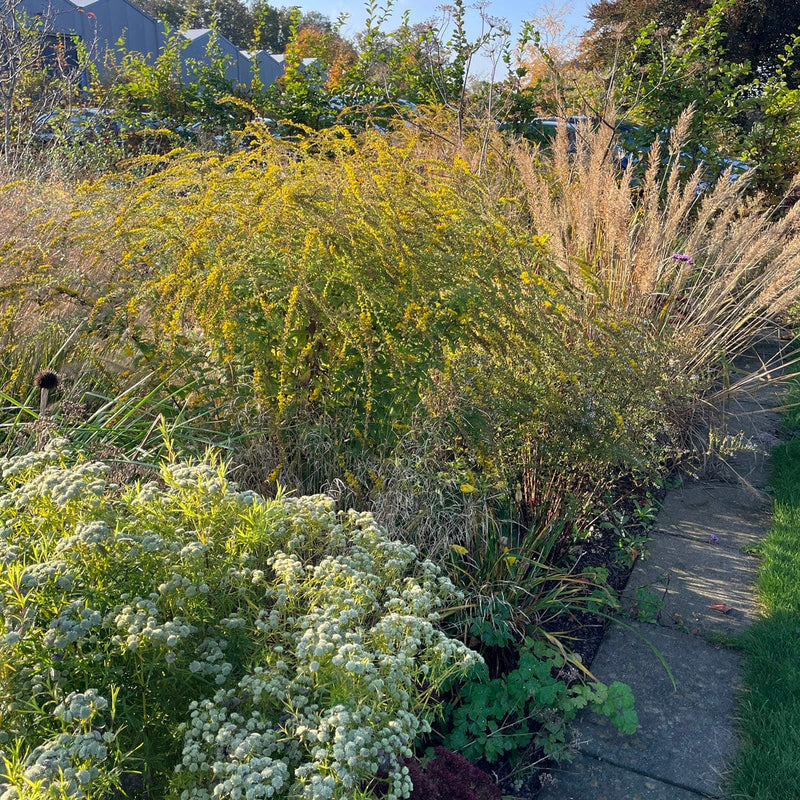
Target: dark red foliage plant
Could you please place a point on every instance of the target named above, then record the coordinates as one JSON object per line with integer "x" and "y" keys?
{"x": 449, "y": 776}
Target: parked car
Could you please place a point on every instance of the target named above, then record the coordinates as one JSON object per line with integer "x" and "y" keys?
{"x": 635, "y": 142}
{"x": 543, "y": 130}
{"x": 85, "y": 124}
{"x": 632, "y": 148}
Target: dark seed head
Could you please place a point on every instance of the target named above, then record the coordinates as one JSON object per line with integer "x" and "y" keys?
{"x": 46, "y": 379}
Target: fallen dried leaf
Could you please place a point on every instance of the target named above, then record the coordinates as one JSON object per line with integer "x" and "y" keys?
{"x": 722, "y": 608}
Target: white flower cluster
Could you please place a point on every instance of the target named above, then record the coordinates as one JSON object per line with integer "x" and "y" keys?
{"x": 63, "y": 767}
{"x": 359, "y": 624}
{"x": 211, "y": 660}
{"x": 194, "y": 550}
{"x": 306, "y": 518}
{"x": 71, "y": 625}
{"x": 317, "y": 633}
{"x": 228, "y": 754}
{"x": 288, "y": 569}
{"x": 177, "y": 584}
{"x": 9, "y": 551}
{"x": 202, "y": 479}
{"x": 140, "y": 622}
{"x": 82, "y": 706}
{"x": 66, "y": 765}
{"x": 38, "y": 575}
{"x": 248, "y": 498}
{"x": 350, "y": 744}
{"x": 60, "y": 485}
{"x": 146, "y": 493}
{"x": 147, "y": 542}
{"x": 87, "y": 536}
{"x": 52, "y": 453}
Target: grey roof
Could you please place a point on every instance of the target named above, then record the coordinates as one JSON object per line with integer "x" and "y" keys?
{"x": 194, "y": 33}
{"x": 105, "y": 22}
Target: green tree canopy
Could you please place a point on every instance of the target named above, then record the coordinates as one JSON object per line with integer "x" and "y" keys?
{"x": 260, "y": 24}
{"x": 755, "y": 30}
{"x": 231, "y": 18}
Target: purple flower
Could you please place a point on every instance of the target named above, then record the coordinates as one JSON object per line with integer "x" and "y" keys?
{"x": 714, "y": 539}
{"x": 685, "y": 257}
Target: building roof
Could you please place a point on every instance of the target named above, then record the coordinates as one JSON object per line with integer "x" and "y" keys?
{"x": 195, "y": 33}
{"x": 106, "y": 22}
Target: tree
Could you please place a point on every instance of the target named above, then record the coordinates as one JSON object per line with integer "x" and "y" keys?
{"x": 738, "y": 112}
{"x": 38, "y": 68}
{"x": 755, "y": 30}
{"x": 556, "y": 45}
{"x": 760, "y": 30}
{"x": 336, "y": 54}
{"x": 231, "y": 18}
{"x": 273, "y": 26}
{"x": 616, "y": 25}
{"x": 426, "y": 63}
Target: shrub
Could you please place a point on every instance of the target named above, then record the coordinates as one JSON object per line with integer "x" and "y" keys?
{"x": 360, "y": 300}
{"x": 222, "y": 644}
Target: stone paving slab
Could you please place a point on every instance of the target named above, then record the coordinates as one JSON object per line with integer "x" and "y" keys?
{"x": 685, "y": 730}
{"x": 698, "y": 511}
{"x": 755, "y": 409}
{"x": 751, "y": 470}
{"x": 749, "y": 418}
{"x": 587, "y": 778}
{"x": 687, "y": 577}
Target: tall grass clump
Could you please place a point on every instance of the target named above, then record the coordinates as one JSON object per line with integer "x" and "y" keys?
{"x": 58, "y": 311}
{"x": 701, "y": 269}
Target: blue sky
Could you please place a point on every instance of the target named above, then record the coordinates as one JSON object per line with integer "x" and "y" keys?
{"x": 514, "y": 11}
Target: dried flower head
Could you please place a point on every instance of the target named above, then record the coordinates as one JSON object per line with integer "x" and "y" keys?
{"x": 46, "y": 379}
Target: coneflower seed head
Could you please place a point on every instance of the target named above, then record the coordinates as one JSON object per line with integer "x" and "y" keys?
{"x": 46, "y": 379}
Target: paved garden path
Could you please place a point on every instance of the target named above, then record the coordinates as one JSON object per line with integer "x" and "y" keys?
{"x": 694, "y": 588}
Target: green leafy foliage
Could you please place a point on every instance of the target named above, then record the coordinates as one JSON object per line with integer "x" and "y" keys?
{"x": 499, "y": 717}
{"x": 740, "y": 112}
{"x": 160, "y": 91}
{"x": 648, "y": 604}
{"x": 754, "y": 31}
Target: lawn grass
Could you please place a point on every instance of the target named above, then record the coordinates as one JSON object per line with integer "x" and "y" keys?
{"x": 768, "y": 764}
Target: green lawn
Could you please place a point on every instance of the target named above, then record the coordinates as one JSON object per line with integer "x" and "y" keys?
{"x": 768, "y": 763}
